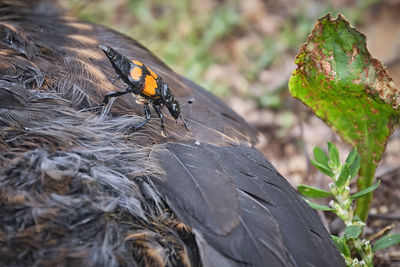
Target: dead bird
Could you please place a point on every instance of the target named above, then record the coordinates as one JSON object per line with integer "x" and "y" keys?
{"x": 77, "y": 190}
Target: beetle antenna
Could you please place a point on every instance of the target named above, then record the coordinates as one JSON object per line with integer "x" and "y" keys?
{"x": 189, "y": 101}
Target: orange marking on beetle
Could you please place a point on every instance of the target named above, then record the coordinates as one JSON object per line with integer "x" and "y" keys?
{"x": 150, "y": 85}
{"x": 136, "y": 73}
{"x": 137, "y": 62}
{"x": 152, "y": 73}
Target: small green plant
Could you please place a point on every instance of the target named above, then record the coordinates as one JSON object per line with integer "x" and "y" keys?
{"x": 349, "y": 90}
{"x": 353, "y": 93}
{"x": 356, "y": 250}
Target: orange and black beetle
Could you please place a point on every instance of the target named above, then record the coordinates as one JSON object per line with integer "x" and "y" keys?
{"x": 147, "y": 86}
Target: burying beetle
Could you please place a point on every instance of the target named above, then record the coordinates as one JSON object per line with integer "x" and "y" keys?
{"x": 147, "y": 87}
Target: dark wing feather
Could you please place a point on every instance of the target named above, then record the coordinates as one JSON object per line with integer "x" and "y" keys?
{"x": 274, "y": 220}
{"x": 299, "y": 223}
{"x": 195, "y": 174}
{"x": 215, "y": 122}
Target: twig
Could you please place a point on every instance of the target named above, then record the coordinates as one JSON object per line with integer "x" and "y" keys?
{"x": 381, "y": 233}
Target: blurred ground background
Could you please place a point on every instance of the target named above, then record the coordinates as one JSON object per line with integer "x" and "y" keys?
{"x": 244, "y": 52}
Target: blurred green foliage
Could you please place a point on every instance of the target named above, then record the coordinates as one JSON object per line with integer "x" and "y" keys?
{"x": 222, "y": 45}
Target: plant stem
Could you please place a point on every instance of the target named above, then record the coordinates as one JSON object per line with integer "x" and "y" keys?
{"x": 365, "y": 179}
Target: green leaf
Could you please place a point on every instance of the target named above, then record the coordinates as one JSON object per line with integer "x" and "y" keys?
{"x": 318, "y": 206}
{"x": 355, "y": 166}
{"x": 334, "y": 155}
{"x": 354, "y": 161}
{"x": 386, "y": 241}
{"x": 313, "y": 192}
{"x": 365, "y": 191}
{"x": 324, "y": 169}
{"x": 351, "y": 157}
{"x": 343, "y": 176}
{"x": 321, "y": 157}
{"x": 352, "y": 231}
{"x": 341, "y": 245}
{"x": 349, "y": 90}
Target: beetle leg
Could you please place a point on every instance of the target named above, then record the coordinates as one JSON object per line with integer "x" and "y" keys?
{"x": 147, "y": 116}
{"x": 115, "y": 94}
{"x": 161, "y": 116}
{"x": 116, "y": 79}
{"x": 184, "y": 123}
